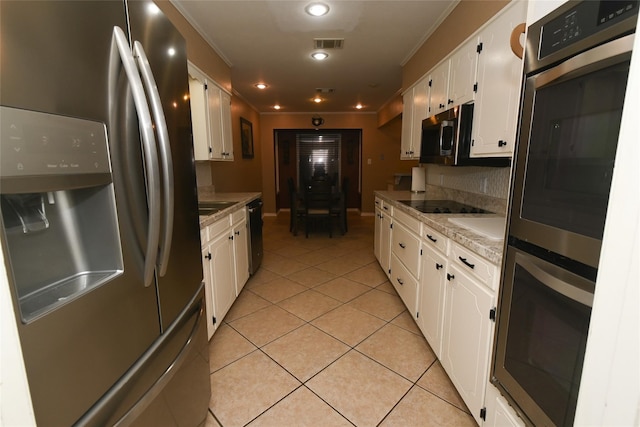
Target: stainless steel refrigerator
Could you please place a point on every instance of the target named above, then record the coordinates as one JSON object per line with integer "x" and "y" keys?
{"x": 99, "y": 213}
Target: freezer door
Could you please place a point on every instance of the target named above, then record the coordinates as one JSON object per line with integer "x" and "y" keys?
{"x": 166, "y": 51}
{"x": 55, "y": 58}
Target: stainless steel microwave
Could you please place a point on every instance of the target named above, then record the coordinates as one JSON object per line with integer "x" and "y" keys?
{"x": 447, "y": 140}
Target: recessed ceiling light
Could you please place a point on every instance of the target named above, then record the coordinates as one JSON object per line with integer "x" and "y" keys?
{"x": 260, "y": 85}
{"x": 317, "y": 9}
{"x": 359, "y": 106}
{"x": 276, "y": 107}
{"x": 317, "y": 100}
{"x": 319, "y": 56}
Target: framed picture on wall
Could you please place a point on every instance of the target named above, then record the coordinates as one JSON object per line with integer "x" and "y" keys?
{"x": 246, "y": 136}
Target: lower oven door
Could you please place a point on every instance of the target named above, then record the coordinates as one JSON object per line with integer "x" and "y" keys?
{"x": 541, "y": 338}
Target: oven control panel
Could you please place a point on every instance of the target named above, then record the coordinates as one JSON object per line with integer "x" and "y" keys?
{"x": 582, "y": 21}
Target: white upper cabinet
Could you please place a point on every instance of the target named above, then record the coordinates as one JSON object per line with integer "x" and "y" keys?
{"x": 462, "y": 77}
{"x": 414, "y": 111}
{"x": 495, "y": 114}
{"x": 439, "y": 100}
{"x": 210, "y": 118}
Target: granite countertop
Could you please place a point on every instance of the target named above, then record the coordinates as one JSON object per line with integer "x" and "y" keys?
{"x": 242, "y": 200}
{"x": 483, "y": 246}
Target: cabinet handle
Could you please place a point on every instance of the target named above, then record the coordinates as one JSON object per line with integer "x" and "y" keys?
{"x": 231, "y": 237}
{"x": 450, "y": 101}
{"x": 208, "y": 256}
{"x": 386, "y": 208}
{"x": 438, "y": 266}
{"x": 450, "y": 277}
{"x": 237, "y": 233}
{"x": 502, "y": 143}
{"x": 441, "y": 105}
{"x": 402, "y": 245}
{"x": 431, "y": 238}
{"x": 467, "y": 263}
{"x": 399, "y": 280}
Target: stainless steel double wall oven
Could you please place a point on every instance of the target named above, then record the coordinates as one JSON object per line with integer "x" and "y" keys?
{"x": 576, "y": 70}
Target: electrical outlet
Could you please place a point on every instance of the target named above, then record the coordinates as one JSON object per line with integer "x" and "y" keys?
{"x": 441, "y": 179}
{"x": 368, "y": 161}
{"x": 484, "y": 185}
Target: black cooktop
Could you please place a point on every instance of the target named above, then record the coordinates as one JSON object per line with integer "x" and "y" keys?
{"x": 442, "y": 206}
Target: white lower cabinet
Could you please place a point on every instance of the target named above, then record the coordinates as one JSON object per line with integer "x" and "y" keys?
{"x": 431, "y": 297}
{"x": 225, "y": 261}
{"x": 405, "y": 284}
{"x": 222, "y": 275}
{"x": 468, "y": 336}
{"x": 240, "y": 252}
{"x": 382, "y": 237}
{"x": 499, "y": 412}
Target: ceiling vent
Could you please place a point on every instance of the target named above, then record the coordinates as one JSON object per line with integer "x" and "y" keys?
{"x": 324, "y": 90}
{"x": 328, "y": 43}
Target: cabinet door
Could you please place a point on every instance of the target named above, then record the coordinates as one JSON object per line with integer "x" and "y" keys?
{"x": 439, "y": 100}
{"x": 241, "y": 255}
{"x": 222, "y": 274}
{"x": 420, "y": 112}
{"x": 468, "y": 333}
{"x": 208, "y": 292}
{"x": 377, "y": 234}
{"x": 215, "y": 121}
{"x": 385, "y": 243}
{"x": 462, "y": 76}
{"x": 406, "y": 139}
{"x": 199, "y": 120}
{"x": 431, "y": 298}
{"x": 495, "y": 113}
{"x": 225, "y": 120}
{"x": 499, "y": 412}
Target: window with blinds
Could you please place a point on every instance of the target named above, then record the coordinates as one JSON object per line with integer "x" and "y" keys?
{"x": 318, "y": 157}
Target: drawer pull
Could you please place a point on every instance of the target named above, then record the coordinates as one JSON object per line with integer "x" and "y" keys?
{"x": 402, "y": 245}
{"x": 467, "y": 263}
{"x": 400, "y": 281}
{"x": 431, "y": 238}
{"x": 438, "y": 266}
{"x": 450, "y": 277}
{"x": 208, "y": 256}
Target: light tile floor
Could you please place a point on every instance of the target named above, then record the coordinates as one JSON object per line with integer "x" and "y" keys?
{"x": 319, "y": 337}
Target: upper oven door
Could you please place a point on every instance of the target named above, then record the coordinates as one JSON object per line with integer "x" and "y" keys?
{"x": 568, "y": 138}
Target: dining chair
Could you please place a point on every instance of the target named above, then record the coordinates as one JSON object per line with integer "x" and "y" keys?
{"x": 318, "y": 198}
{"x": 296, "y": 205}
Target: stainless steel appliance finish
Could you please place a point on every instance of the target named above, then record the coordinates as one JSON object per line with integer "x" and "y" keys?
{"x": 577, "y": 64}
{"x": 136, "y": 334}
{"x": 569, "y": 128}
{"x": 446, "y": 139}
{"x": 254, "y": 210}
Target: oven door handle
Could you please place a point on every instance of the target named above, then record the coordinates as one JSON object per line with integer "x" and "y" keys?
{"x": 556, "y": 278}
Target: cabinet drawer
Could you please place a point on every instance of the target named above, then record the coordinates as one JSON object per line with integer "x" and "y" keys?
{"x": 238, "y": 216}
{"x": 406, "y": 246}
{"x": 409, "y": 222}
{"x": 218, "y": 227}
{"x": 474, "y": 264}
{"x": 405, "y": 284}
{"x": 434, "y": 239}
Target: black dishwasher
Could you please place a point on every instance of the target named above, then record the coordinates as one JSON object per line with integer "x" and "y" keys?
{"x": 254, "y": 209}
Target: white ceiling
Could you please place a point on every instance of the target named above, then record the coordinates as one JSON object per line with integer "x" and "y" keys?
{"x": 271, "y": 41}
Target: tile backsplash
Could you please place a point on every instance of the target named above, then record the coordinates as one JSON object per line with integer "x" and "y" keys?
{"x": 485, "y": 187}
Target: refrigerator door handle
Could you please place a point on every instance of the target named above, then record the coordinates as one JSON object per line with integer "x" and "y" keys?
{"x": 165, "y": 156}
{"x": 149, "y": 151}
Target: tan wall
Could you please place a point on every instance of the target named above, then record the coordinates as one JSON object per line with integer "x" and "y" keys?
{"x": 381, "y": 145}
{"x": 391, "y": 110}
{"x": 463, "y": 21}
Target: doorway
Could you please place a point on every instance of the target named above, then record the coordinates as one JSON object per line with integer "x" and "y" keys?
{"x": 302, "y": 152}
